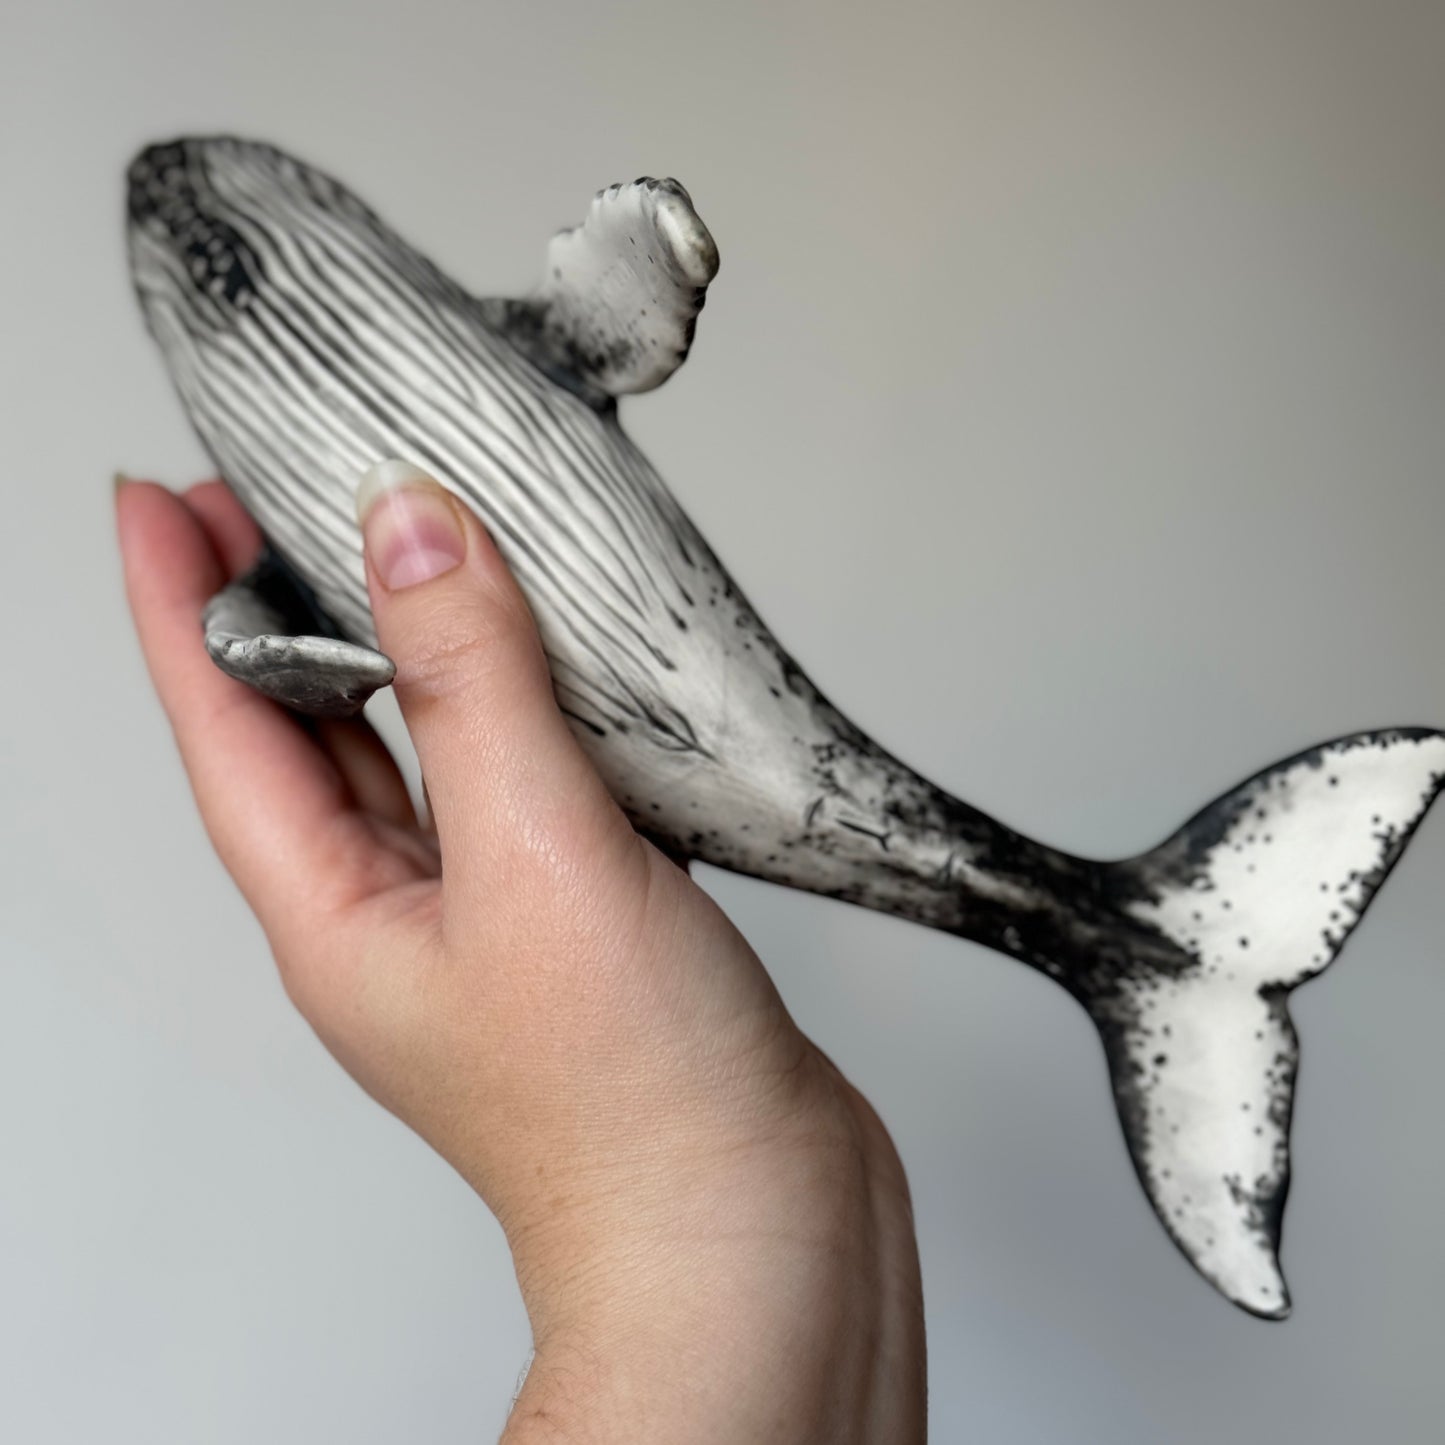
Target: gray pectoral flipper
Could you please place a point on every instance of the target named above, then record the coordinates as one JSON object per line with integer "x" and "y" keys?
{"x": 264, "y": 630}
{"x": 617, "y": 306}
{"x": 1260, "y": 891}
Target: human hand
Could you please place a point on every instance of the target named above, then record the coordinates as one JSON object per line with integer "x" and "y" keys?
{"x": 710, "y": 1226}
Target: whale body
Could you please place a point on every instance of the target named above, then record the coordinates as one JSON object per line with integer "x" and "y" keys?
{"x": 308, "y": 340}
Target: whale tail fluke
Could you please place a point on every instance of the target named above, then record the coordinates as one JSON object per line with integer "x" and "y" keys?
{"x": 1260, "y": 890}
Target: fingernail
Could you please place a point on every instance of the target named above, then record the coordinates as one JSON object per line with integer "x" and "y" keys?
{"x": 118, "y": 481}
{"x": 413, "y": 533}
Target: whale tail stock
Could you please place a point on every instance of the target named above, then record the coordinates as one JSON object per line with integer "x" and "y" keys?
{"x": 1259, "y": 891}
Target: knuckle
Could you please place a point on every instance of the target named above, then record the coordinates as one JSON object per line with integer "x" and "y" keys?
{"x": 457, "y": 644}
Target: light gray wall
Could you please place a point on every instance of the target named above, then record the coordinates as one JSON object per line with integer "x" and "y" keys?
{"x": 1070, "y": 402}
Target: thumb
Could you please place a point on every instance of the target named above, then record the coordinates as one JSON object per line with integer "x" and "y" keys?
{"x": 507, "y": 780}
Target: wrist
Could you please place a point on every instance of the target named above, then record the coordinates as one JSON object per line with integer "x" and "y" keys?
{"x": 737, "y": 1322}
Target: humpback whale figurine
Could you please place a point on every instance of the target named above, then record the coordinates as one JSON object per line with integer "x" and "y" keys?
{"x": 308, "y": 340}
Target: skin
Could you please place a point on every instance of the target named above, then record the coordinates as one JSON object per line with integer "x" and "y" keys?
{"x": 710, "y": 1226}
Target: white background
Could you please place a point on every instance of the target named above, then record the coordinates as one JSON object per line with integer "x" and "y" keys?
{"x": 1070, "y": 403}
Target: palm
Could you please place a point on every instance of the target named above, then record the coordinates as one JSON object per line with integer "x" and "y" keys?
{"x": 547, "y": 999}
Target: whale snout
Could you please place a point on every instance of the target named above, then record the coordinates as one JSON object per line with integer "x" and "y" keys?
{"x": 183, "y": 236}
{"x": 156, "y": 179}
{"x": 170, "y": 175}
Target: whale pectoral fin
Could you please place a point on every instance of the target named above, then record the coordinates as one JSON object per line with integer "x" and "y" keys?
{"x": 255, "y": 632}
{"x": 616, "y": 309}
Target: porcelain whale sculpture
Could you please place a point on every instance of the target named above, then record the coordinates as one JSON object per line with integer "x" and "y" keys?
{"x": 308, "y": 340}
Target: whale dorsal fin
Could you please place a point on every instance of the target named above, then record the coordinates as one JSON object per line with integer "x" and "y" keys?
{"x": 617, "y": 305}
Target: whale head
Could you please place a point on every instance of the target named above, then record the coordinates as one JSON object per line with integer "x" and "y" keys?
{"x": 186, "y": 247}
{"x": 215, "y": 223}
{"x": 196, "y": 210}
